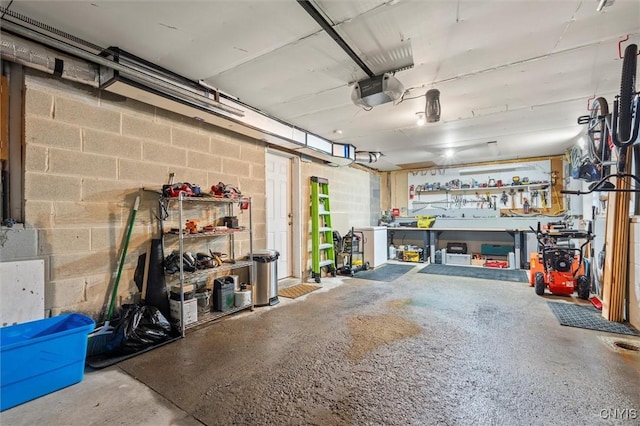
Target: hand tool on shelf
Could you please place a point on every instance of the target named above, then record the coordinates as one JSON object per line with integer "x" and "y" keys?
{"x": 504, "y": 198}
{"x": 512, "y": 192}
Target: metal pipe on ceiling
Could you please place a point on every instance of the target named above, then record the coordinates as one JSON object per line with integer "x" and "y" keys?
{"x": 31, "y": 48}
{"x": 367, "y": 157}
{"x": 36, "y": 56}
{"x": 81, "y": 53}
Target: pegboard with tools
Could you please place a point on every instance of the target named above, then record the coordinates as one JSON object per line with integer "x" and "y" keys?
{"x": 485, "y": 191}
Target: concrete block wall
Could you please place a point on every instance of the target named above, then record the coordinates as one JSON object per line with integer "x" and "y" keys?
{"x": 350, "y": 198}
{"x": 634, "y": 272}
{"x": 87, "y": 154}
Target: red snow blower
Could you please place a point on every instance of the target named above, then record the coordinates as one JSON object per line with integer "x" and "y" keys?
{"x": 558, "y": 265}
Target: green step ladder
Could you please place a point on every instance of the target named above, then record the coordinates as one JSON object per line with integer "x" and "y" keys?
{"x": 322, "y": 248}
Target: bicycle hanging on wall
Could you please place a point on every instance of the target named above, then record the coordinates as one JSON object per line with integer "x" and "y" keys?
{"x": 615, "y": 134}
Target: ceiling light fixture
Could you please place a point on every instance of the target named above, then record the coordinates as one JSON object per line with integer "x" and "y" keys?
{"x": 432, "y": 109}
{"x": 420, "y": 121}
{"x": 449, "y": 153}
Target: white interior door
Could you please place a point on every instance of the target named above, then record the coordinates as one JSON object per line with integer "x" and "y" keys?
{"x": 279, "y": 221}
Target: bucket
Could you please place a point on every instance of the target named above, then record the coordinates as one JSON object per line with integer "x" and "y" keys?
{"x": 204, "y": 301}
{"x": 242, "y": 298}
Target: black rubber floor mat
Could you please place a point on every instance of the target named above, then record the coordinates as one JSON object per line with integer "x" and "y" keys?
{"x": 477, "y": 272}
{"x": 386, "y": 273}
{"x": 587, "y": 317}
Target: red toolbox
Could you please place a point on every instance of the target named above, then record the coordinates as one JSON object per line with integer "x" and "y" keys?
{"x": 496, "y": 264}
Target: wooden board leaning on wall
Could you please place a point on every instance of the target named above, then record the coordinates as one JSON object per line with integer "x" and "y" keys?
{"x": 4, "y": 119}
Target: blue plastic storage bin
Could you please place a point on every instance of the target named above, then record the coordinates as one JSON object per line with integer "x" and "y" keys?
{"x": 42, "y": 356}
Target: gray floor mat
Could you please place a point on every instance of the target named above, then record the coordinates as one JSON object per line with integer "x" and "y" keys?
{"x": 385, "y": 273}
{"x": 587, "y": 317}
{"x": 477, "y": 272}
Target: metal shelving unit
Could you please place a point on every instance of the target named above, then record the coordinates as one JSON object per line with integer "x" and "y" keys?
{"x": 182, "y": 277}
{"x": 214, "y": 315}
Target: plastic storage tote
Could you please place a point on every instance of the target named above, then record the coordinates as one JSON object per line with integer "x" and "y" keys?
{"x": 42, "y": 356}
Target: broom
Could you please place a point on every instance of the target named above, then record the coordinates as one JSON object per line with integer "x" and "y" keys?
{"x": 101, "y": 335}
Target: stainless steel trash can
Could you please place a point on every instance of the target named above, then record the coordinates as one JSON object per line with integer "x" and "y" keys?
{"x": 266, "y": 267}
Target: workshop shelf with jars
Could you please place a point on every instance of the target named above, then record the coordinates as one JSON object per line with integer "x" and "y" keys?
{"x": 208, "y": 244}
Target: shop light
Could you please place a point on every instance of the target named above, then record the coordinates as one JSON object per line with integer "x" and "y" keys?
{"x": 494, "y": 169}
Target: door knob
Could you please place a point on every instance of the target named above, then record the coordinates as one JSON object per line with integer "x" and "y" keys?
{"x": 290, "y": 215}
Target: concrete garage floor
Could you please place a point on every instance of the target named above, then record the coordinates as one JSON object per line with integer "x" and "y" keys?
{"x": 421, "y": 350}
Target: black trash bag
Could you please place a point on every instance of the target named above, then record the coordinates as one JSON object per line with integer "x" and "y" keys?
{"x": 139, "y": 328}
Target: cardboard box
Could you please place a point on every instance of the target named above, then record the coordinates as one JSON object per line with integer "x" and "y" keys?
{"x": 190, "y": 311}
{"x": 478, "y": 261}
{"x": 187, "y": 288}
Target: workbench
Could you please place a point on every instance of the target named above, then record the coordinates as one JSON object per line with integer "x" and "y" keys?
{"x": 515, "y": 231}
{"x": 475, "y": 237}
{"x": 432, "y": 239}
{"x": 402, "y": 235}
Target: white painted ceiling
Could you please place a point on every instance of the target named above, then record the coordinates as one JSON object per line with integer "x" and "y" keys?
{"x": 514, "y": 71}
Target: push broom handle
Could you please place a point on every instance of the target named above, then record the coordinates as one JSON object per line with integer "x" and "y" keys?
{"x": 114, "y": 294}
